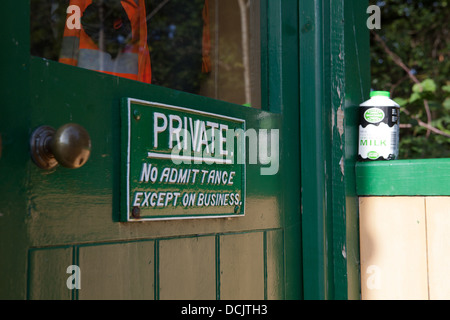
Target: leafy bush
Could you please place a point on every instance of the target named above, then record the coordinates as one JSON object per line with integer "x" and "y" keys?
{"x": 410, "y": 58}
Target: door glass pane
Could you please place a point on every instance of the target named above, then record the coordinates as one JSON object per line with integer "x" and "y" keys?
{"x": 205, "y": 47}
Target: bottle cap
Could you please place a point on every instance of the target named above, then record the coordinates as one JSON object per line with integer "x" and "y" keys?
{"x": 380, "y": 93}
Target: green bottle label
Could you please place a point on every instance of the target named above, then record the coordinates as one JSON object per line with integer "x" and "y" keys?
{"x": 374, "y": 115}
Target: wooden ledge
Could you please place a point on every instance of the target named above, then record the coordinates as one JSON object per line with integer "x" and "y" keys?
{"x": 424, "y": 177}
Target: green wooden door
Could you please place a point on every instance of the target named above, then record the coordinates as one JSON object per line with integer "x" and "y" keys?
{"x": 54, "y": 221}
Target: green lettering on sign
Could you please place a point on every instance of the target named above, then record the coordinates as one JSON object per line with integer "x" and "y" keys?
{"x": 178, "y": 163}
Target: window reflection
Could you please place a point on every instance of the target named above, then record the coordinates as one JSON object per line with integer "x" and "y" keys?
{"x": 178, "y": 33}
{"x": 206, "y": 47}
{"x": 107, "y": 36}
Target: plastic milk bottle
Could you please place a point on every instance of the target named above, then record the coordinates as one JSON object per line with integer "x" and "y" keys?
{"x": 378, "y": 128}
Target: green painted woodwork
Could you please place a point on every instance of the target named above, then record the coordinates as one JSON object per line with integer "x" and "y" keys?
{"x": 283, "y": 97}
{"x": 424, "y": 177}
{"x": 14, "y": 159}
{"x": 357, "y": 87}
{"x": 334, "y": 79}
{"x": 52, "y": 219}
{"x": 298, "y": 238}
{"x": 315, "y": 143}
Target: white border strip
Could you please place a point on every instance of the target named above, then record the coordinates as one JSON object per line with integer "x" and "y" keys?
{"x": 183, "y": 109}
{"x": 166, "y": 156}
{"x": 128, "y": 158}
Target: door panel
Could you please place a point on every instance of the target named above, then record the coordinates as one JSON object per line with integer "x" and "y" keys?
{"x": 90, "y": 197}
{"x": 242, "y": 266}
{"x": 123, "y": 271}
{"x": 71, "y": 217}
{"x": 232, "y": 266}
{"x": 187, "y": 268}
{"x": 47, "y": 276}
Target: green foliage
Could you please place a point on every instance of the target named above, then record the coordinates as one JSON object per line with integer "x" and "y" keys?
{"x": 417, "y": 32}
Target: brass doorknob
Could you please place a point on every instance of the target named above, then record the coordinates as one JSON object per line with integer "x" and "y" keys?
{"x": 69, "y": 146}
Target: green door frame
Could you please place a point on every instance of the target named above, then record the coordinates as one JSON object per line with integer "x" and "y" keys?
{"x": 334, "y": 79}
{"x": 281, "y": 69}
